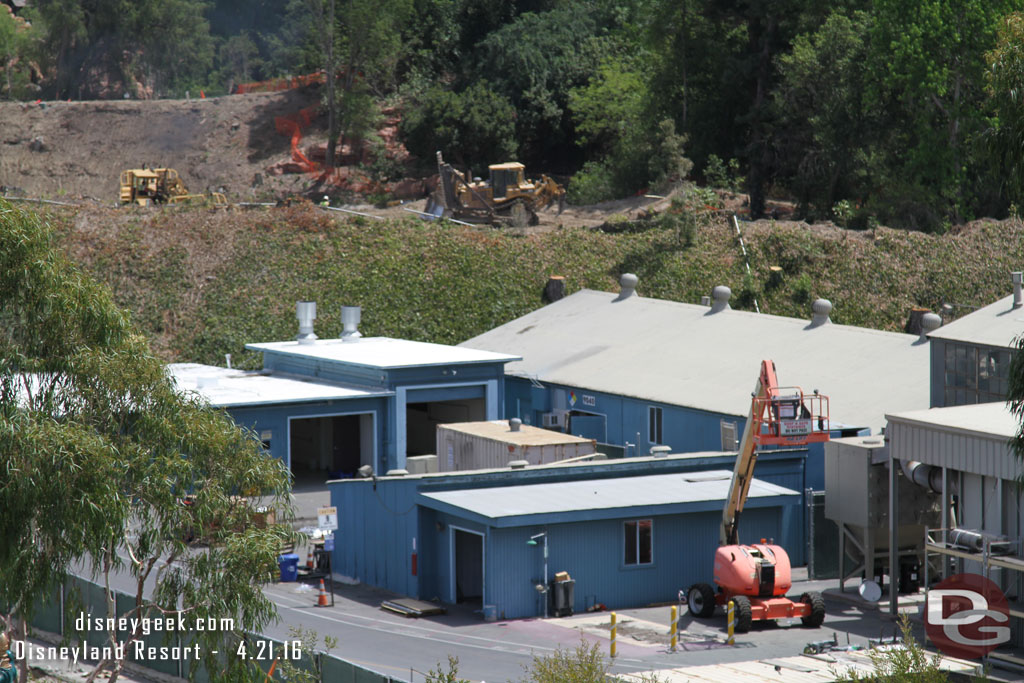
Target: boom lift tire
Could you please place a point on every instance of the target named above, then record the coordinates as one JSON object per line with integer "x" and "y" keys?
{"x": 817, "y": 603}
{"x": 701, "y": 600}
{"x": 744, "y": 615}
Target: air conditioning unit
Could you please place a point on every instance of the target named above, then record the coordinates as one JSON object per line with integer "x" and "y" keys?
{"x": 554, "y": 420}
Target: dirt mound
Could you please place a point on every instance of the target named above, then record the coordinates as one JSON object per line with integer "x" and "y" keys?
{"x": 78, "y": 149}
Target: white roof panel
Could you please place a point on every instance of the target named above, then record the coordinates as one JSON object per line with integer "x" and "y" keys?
{"x": 682, "y": 354}
{"x": 984, "y": 419}
{"x": 224, "y": 388}
{"x": 384, "y": 352}
{"x": 994, "y": 325}
{"x": 601, "y": 494}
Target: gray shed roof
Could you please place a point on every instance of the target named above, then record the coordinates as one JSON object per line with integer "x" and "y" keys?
{"x": 681, "y": 354}
{"x": 225, "y": 388}
{"x": 994, "y": 325}
{"x": 598, "y": 498}
{"x": 971, "y": 438}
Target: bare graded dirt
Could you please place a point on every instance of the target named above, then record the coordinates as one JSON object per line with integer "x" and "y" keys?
{"x": 76, "y": 150}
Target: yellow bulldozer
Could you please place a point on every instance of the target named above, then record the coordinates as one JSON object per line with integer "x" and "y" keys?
{"x": 145, "y": 186}
{"x": 507, "y": 197}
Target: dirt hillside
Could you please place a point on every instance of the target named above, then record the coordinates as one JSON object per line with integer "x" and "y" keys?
{"x": 76, "y": 150}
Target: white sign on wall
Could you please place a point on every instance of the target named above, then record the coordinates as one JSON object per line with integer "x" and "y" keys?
{"x": 328, "y": 518}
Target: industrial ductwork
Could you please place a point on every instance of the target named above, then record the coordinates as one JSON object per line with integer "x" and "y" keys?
{"x": 305, "y": 312}
{"x": 928, "y": 476}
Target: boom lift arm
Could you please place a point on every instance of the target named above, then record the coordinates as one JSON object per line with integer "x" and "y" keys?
{"x": 778, "y": 416}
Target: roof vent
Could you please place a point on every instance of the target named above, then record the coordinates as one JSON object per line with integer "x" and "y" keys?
{"x": 1017, "y": 277}
{"x": 350, "y": 317}
{"x": 305, "y": 312}
{"x": 660, "y": 451}
{"x": 705, "y": 300}
{"x": 628, "y": 283}
{"x": 518, "y": 464}
{"x": 400, "y": 472}
{"x": 514, "y": 424}
{"x": 720, "y": 295}
{"x": 929, "y": 323}
{"x": 820, "y": 309}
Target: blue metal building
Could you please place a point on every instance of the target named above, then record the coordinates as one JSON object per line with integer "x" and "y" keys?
{"x": 630, "y": 532}
{"x": 635, "y": 373}
{"x": 329, "y": 406}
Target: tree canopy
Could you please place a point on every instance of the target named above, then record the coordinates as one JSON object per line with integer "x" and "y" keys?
{"x": 107, "y": 464}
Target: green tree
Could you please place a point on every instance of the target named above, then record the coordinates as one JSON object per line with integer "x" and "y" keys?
{"x": 100, "y": 450}
{"x": 474, "y": 128}
{"x": 1006, "y": 97}
{"x": 17, "y": 40}
{"x": 927, "y": 60}
{"x": 824, "y": 135}
{"x": 164, "y": 45}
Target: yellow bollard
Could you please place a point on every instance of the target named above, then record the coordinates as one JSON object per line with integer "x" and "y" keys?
{"x": 674, "y": 627}
{"x": 615, "y": 632}
{"x": 731, "y": 640}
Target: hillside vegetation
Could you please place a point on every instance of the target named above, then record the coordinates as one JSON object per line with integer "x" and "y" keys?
{"x": 202, "y": 282}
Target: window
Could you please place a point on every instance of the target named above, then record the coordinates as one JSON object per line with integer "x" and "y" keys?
{"x": 654, "y": 426}
{"x": 639, "y": 546}
{"x": 975, "y": 374}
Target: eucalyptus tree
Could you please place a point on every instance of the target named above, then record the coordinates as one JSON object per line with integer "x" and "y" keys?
{"x": 105, "y": 463}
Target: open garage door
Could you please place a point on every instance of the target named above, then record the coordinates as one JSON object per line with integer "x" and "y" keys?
{"x": 330, "y": 446}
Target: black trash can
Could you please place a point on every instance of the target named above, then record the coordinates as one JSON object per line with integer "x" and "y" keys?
{"x": 562, "y": 595}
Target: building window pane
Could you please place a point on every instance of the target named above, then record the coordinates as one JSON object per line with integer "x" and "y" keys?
{"x": 654, "y": 425}
{"x": 639, "y": 546}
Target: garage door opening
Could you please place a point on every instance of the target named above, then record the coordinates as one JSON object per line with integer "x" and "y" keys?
{"x": 469, "y": 568}
{"x": 330, "y": 447}
{"x": 422, "y": 420}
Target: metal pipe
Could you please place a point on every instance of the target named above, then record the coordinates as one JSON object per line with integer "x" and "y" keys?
{"x": 357, "y": 213}
{"x": 1017, "y": 277}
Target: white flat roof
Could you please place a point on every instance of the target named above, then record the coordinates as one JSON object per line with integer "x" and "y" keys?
{"x": 994, "y": 325}
{"x": 384, "y": 352}
{"x": 225, "y": 388}
{"x": 682, "y": 354}
{"x": 601, "y": 494}
{"x": 984, "y": 419}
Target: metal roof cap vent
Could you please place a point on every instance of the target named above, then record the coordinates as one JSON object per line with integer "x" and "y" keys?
{"x": 350, "y": 318}
{"x": 305, "y": 312}
{"x": 705, "y": 300}
{"x": 820, "y": 309}
{"x": 660, "y": 451}
{"x": 1017, "y": 277}
{"x": 929, "y": 323}
{"x": 514, "y": 424}
{"x": 627, "y": 283}
{"x": 720, "y": 296}
{"x": 518, "y": 464}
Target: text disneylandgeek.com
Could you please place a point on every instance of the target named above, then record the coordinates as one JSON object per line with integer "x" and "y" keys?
{"x": 131, "y": 629}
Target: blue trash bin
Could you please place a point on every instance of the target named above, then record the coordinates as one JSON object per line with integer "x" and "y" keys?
{"x": 289, "y": 566}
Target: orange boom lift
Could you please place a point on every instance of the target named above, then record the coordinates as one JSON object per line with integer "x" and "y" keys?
{"x": 757, "y": 577}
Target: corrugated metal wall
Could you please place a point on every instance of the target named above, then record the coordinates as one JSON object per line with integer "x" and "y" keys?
{"x": 989, "y": 456}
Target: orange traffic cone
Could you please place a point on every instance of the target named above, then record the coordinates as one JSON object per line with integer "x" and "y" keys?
{"x": 322, "y": 600}
{"x": 309, "y": 559}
